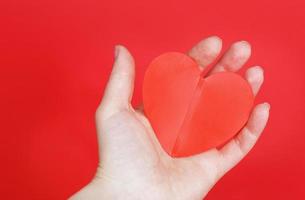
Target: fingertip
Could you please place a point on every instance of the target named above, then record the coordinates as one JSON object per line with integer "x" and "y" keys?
{"x": 123, "y": 57}
{"x": 234, "y": 58}
{"x": 206, "y": 51}
{"x": 263, "y": 106}
{"x": 266, "y": 109}
{"x": 264, "y": 113}
{"x": 242, "y": 44}
{"x": 206, "y": 48}
{"x": 256, "y": 69}
{"x": 213, "y": 44}
{"x": 259, "y": 118}
{"x": 241, "y": 49}
{"x": 255, "y": 77}
{"x": 215, "y": 41}
{"x": 116, "y": 51}
{"x": 214, "y": 37}
{"x": 262, "y": 110}
{"x": 119, "y": 48}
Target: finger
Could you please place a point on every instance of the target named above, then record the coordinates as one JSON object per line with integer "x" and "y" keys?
{"x": 255, "y": 77}
{"x": 119, "y": 89}
{"x": 236, "y": 56}
{"x": 240, "y": 145}
{"x": 206, "y": 51}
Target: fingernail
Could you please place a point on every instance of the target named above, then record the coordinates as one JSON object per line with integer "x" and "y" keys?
{"x": 267, "y": 105}
{"x": 257, "y": 67}
{"x": 244, "y": 42}
{"x": 116, "y": 51}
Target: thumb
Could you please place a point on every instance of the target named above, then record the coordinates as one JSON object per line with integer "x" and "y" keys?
{"x": 119, "y": 89}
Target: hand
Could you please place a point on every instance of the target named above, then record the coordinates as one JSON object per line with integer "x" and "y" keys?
{"x": 133, "y": 165}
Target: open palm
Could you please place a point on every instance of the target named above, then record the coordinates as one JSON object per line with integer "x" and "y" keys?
{"x": 133, "y": 164}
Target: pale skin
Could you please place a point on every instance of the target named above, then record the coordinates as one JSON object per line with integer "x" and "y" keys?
{"x": 133, "y": 164}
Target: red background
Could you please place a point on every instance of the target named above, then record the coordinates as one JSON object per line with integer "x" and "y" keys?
{"x": 55, "y": 59}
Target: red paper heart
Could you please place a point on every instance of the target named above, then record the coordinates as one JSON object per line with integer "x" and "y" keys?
{"x": 191, "y": 113}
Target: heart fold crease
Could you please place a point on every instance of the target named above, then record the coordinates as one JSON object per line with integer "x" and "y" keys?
{"x": 191, "y": 113}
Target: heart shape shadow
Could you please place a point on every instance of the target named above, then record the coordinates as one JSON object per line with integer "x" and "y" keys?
{"x": 189, "y": 112}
